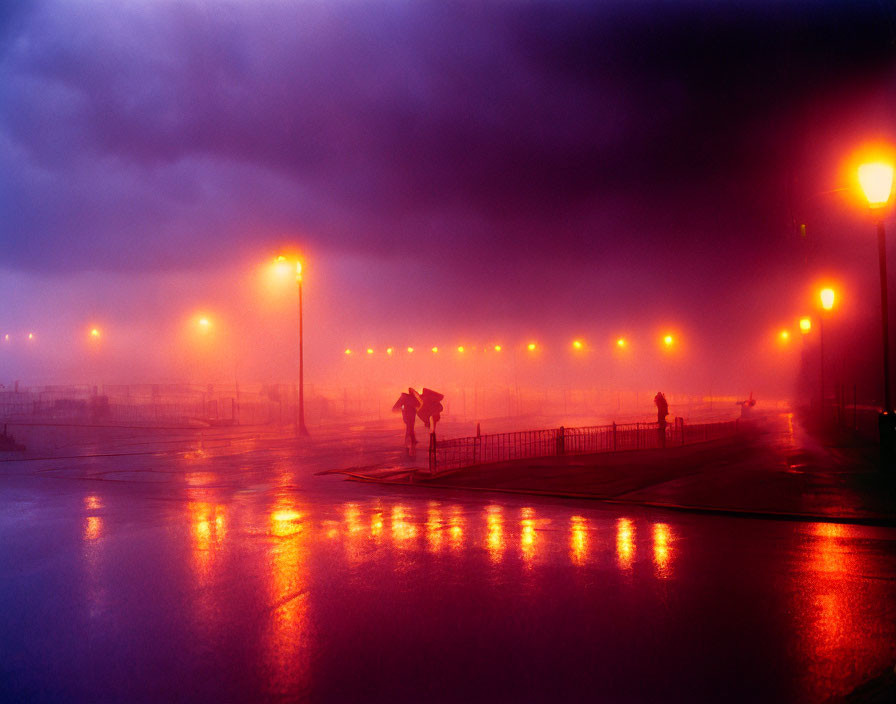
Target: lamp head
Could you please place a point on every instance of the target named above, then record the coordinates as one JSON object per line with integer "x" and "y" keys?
{"x": 876, "y": 179}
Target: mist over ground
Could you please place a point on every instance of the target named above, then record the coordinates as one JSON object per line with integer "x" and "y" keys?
{"x": 466, "y": 175}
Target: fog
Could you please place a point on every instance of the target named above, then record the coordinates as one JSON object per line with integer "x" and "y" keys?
{"x": 450, "y": 176}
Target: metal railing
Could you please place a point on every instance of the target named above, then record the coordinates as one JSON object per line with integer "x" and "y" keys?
{"x": 457, "y": 453}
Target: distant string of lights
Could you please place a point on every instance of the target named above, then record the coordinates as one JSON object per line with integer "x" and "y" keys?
{"x": 203, "y": 324}
{"x": 577, "y": 345}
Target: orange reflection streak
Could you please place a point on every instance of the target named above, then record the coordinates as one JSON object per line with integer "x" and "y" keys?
{"x": 662, "y": 537}
{"x": 625, "y": 543}
{"x": 208, "y": 529}
{"x": 578, "y": 539}
{"x": 495, "y": 538}
{"x": 352, "y": 516}
{"x": 95, "y": 592}
{"x": 93, "y": 528}
{"x": 353, "y": 531}
{"x": 456, "y": 528}
{"x": 286, "y": 522}
{"x": 287, "y": 646}
{"x": 527, "y": 533}
{"x": 376, "y": 525}
{"x": 402, "y": 530}
{"x": 834, "y": 627}
{"x": 434, "y": 527}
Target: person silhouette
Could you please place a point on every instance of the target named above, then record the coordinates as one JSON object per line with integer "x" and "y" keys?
{"x": 407, "y": 404}
{"x": 430, "y": 408}
{"x": 662, "y": 410}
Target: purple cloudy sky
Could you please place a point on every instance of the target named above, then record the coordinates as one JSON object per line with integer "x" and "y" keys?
{"x": 450, "y": 169}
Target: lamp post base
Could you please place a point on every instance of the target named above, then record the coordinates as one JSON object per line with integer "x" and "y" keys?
{"x": 886, "y": 423}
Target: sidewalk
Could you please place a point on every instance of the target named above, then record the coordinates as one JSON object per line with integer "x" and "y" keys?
{"x": 773, "y": 470}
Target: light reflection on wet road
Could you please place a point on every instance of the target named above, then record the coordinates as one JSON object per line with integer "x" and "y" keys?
{"x": 334, "y": 591}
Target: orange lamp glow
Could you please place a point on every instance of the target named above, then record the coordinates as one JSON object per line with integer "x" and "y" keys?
{"x": 348, "y": 351}
{"x": 410, "y": 349}
{"x": 389, "y": 351}
{"x": 784, "y": 335}
{"x": 95, "y": 333}
{"x": 460, "y": 348}
{"x": 30, "y": 335}
{"x": 435, "y": 349}
{"x": 6, "y": 337}
{"x": 876, "y": 179}
{"x": 827, "y": 298}
{"x": 668, "y": 340}
{"x": 805, "y": 325}
{"x": 620, "y": 342}
{"x": 283, "y": 268}
{"x": 531, "y": 346}
{"x": 577, "y": 344}
{"x": 369, "y": 350}
{"x": 497, "y": 348}
{"x": 204, "y": 324}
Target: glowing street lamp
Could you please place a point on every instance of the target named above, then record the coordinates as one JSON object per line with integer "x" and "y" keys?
{"x": 30, "y": 335}
{"x": 577, "y": 344}
{"x": 784, "y": 336}
{"x": 876, "y": 179}
{"x": 284, "y": 267}
{"x": 497, "y": 348}
{"x": 348, "y": 351}
{"x": 620, "y": 342}
{"x": 460, "y": 348}
{"x": 531, "y": 346}
{"x": 668, "y": 340}
{"x": 805, "y": 325}
{"x": 369, "y": 350}
{"x": 410, "y": 350}
{"x": 435, "y": 350}
{"x": 826, "y": 295}
{"x": 94, "y": 333}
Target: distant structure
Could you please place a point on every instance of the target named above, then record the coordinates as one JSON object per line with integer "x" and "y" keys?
{"x": 746, "y": 406}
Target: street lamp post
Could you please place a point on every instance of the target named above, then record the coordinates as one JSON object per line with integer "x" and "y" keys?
{"x": 876, "y": 180}
{"x": 283, "y": 267}
{"x": 301, "y": 429}
{"x": 827, "y": 303}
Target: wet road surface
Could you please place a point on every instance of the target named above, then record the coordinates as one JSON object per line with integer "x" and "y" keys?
{"x": 243, "y": 577}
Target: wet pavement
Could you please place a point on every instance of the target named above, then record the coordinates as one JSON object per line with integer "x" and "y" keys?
{"x": 236, "y": 574}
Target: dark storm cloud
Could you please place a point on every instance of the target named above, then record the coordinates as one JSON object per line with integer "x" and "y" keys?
{"x": 166, "y": 127}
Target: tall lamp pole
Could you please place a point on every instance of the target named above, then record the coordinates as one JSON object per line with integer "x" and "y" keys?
{"x": 827, "y": 303}
{"x": 301, "y": 429}
{"x": 283, "y": 268}
{"x": 876, "y": 180}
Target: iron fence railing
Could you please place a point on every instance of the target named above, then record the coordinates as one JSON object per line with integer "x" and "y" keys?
{"x": 457, "y": 453}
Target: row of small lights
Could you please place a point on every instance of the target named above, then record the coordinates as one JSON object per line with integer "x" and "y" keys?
{"x": 94, "y": 334}
{"x": 805, "y": 325}
{"x": 668, "y": 341}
